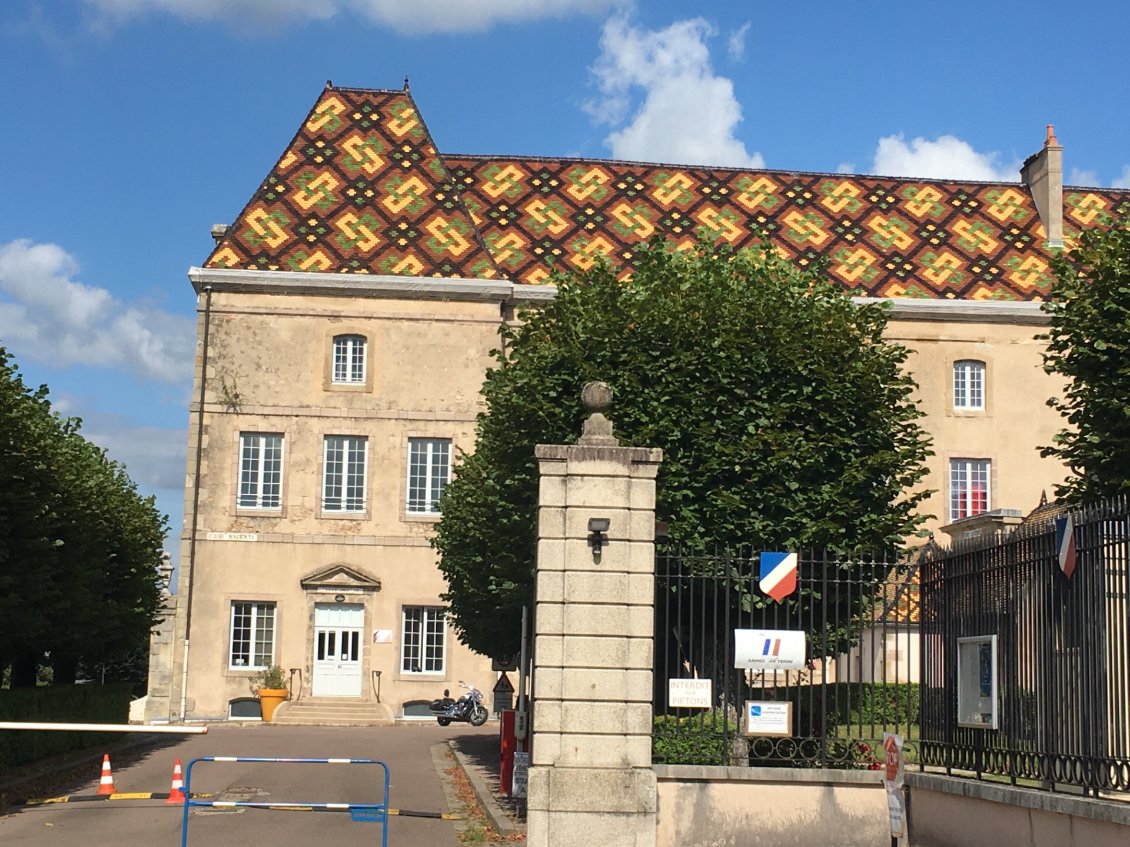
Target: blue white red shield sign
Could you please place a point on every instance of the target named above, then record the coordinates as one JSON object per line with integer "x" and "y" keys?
{"x": 1065, "y": 544}
{"x": 778, "y": 574}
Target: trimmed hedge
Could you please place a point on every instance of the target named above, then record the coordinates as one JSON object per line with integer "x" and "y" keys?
{"x": 699, "y": 739}
{"x": 58, "y": 704}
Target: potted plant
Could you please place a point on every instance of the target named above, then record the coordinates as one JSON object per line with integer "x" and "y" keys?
{"x": 269, "y": 685}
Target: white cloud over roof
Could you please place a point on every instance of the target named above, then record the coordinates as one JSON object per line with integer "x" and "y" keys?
{"x": 660, "y": 90}
{"x": 946, "y": 157}
{"x": 416, "y": 17}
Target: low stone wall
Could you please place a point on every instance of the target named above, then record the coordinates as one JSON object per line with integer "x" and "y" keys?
{"x": 947, "y": 811}
{"x": 775, "y": 807}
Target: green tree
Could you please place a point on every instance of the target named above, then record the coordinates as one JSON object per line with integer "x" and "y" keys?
{"x": 1089, "y": 344}
{"x": 80, "y": 549}
{"x": 783, "y": 415}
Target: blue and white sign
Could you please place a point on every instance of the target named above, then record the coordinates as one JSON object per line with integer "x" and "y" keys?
{"x": 769, "y": 649}
{"x": 767, "y": 717}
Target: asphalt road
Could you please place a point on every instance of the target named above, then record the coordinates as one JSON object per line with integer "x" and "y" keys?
{"x": 416, "y": 784}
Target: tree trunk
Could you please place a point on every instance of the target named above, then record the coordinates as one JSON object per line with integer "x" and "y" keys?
{"x": 66, "y": 669}
{"x": 24, "y": 671}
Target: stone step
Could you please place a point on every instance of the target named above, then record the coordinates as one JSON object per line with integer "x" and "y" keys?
{"x": 333, "y": 711}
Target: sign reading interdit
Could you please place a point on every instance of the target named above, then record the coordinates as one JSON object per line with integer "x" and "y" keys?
{"x": 689, "y": 693}
{"x": 769, "y": 649}
{"x": 778, "y": 574}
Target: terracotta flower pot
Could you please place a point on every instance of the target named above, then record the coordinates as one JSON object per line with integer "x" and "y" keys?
{"x": 269, "y": 700}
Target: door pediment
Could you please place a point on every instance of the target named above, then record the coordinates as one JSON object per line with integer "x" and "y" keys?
{"x": 341, "y": 577}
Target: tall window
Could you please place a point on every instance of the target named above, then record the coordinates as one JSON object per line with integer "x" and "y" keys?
{"x": 349, "y": 360}
{"x": 343, "y": 481}
{"x": 422, "y": 650}
{"x": 969, "y": 487}
{"x": 429, "y": 460}
{"x": 969, "y": 384}
{"x": 252, "y": 635}
{"x": 260, "y": 471}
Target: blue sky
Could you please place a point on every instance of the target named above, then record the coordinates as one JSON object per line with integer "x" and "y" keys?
{"x": 130, "y": 126}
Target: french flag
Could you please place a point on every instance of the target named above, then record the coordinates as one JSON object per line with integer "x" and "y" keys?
{"x": 778, "y": 574}
{"x": 1065, "y": 544}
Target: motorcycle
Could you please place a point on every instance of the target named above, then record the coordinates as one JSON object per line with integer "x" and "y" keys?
{"x": 469, "y": 708}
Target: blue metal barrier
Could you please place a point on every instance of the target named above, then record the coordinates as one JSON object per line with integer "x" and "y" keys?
{"x": 365, "y": 812}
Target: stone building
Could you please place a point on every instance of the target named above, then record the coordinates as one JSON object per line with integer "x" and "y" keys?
{"x": 346, "y": 318}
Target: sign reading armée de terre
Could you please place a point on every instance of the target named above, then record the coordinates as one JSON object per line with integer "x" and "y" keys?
{"x": 769, "y": 649}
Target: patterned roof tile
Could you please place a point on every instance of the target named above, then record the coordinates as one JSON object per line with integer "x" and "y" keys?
{"x": 361, "y": 189}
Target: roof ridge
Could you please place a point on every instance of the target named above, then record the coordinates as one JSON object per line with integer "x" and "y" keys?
{"x": 727, "y": 168}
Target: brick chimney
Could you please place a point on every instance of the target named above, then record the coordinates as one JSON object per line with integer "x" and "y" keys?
{"x": 1043, "y": 174}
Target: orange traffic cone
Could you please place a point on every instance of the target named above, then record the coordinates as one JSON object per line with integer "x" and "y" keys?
{"x": 106, "y": 784}
{"x": 176, "y": 793}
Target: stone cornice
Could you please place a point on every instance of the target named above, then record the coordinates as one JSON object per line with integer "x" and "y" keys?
{"x": 502, "y": 291}
{"x": 368, "y": 285}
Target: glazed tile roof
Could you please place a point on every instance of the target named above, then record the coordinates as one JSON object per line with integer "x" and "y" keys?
{"x": 361, "y": 189}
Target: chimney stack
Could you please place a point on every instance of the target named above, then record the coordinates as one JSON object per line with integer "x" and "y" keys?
{"x": 1043, "y": 174}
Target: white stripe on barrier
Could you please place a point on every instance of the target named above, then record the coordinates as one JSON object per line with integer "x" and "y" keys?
{"x": 225, "y": 758}
{"x": 105, "y": 727}
{"x": 339, "y": 761}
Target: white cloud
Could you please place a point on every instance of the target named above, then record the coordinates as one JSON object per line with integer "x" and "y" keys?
{"x": 735, "y": 44}
{"x": 1124, "y": 180}
{"x": 1082, "y": 177}
{"x": 948, "y": 157}
{"x": 419, "y": 16}
{"x": 48, "y": 316}
{"x": 688, "y": 115}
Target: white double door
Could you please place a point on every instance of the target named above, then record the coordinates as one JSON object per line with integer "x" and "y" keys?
{"x": 337, "y": 649}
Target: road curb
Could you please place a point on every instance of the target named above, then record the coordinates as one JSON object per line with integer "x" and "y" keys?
{"x": 499, "y": 820}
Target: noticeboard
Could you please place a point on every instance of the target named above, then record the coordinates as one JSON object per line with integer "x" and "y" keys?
{"x": 977, "y": 682}
{"x": 767, "y": 717}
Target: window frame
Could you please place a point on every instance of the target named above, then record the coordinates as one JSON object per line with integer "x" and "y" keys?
{"x": 425, "y": 506}
{"x": 426, "y": 638}
{"x": 256, "y": 608}
{"x": 966, "y": 369}
{"x": 347, "y": 457}
{"x": 244, "y": 437}
{"x": 963, "y": 471}
{"x": 349, "y": 342}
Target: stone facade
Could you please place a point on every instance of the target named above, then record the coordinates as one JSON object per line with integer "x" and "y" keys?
{"x": 591, "y": 756}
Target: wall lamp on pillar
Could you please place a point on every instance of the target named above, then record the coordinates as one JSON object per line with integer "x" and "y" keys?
{"x": 598, "y": 537}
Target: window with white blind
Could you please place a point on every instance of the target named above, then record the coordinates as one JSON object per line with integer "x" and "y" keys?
{"x": 424, "y": 634}
{"x": 349, "y": 360}
{"x": 252, "y": 636}
{"x": 343, "y": 477}
{"x": 969, "y": 385}
{"x": 260, "y": 470}
{"x": 969, "y": 487}
{"x": 429, "y": 463}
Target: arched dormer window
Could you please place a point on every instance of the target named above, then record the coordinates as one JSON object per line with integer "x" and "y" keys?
{"x": 969, "y": 385}
{"x": 349, "y": 360}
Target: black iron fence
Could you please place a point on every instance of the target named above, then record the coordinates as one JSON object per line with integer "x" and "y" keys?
{"x": 1055, "y": 709}
{"x": 860, "y": 666}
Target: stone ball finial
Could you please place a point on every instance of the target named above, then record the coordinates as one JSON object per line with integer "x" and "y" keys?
{"x": 596, "y": 397}
{"x": 597, "y": 430}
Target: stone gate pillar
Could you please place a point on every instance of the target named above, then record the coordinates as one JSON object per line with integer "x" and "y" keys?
{"x": 590, "y": 779}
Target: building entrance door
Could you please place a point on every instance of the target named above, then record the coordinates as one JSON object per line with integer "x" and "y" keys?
{"x": 337, "y": 649}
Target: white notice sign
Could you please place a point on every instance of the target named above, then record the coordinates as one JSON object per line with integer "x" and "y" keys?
{"x": 689, "y": 693}
{"x": 521, "y": 772}
{"x": 232, "y": 536}
{"x": 768, "y": 718}
{"x": 769, "y": 649}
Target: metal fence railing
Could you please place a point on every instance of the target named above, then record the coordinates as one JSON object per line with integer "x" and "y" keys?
{"x": 1062, "y": 673}
{"x": 860, "y": 678}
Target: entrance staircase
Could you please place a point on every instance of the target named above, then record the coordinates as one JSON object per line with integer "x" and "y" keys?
{"x": 334, "y": 711}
